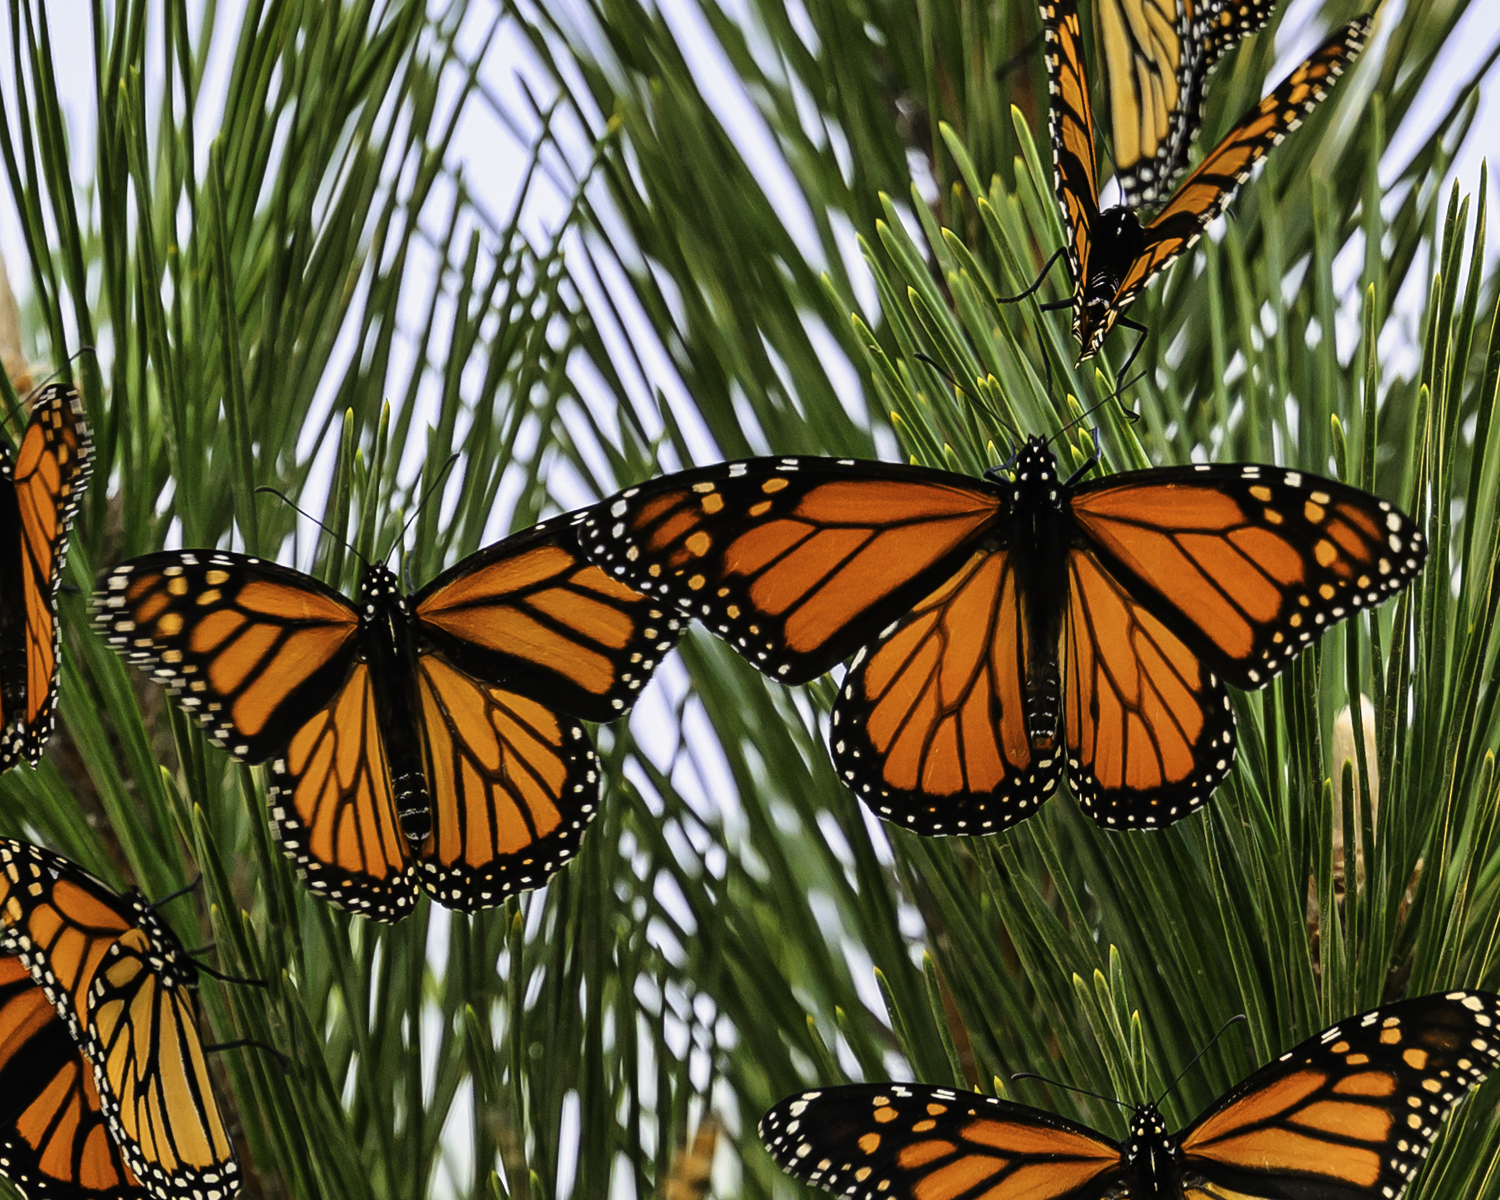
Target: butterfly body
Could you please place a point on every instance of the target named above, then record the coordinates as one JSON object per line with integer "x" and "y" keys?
{"x": 388, "y": 644}
{"x": 1349, "y": 1114}
{"x": 1006, "y": 630}
{"x": 1118, "y": 241}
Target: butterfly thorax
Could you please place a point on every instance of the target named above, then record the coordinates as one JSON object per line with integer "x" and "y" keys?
{"x": 1152, "y": 1158}
{"x": 1117, "y": 241}
{"x": 390, "y": 652}
{"x": 1038, "y": 541}
{"x": 161, "y": 946}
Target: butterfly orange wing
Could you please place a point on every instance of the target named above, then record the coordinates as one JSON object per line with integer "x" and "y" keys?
{"x": 37, "y": 504}
{"x": 54, "y": 1140}
{"x": 911, "y": 1141}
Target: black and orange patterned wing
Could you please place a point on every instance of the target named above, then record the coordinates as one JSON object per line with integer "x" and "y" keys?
{"x": 1157, "y": 55}
{"x": 54, "y": 1140}
{"x": 933, "y": 728}
{"x": 120, "y": 982}
{"x": 333, "y": 808}
{"x": 1204, "y": 194}
{"x": 1246, "y": 564}
{"x": 1075, "y": 172}
{"x": 514, "y": 785}
{"x": 796, "y": 562}
{"x": 38, "y": 497}
{"x": 532, "y": 614}
{"x": 250, "y": 648}
{"x": 1148, "y": 728}
{"x": 1349, "y": 1114}
{"x": 905, "y": 1141}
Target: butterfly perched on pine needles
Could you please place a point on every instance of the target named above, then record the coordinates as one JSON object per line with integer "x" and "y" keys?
{"x": 1346, "y": 1115}
{"x": 1002, "y": 626}
{"x": 38, "y": 496}
{"x": 1112, "y": 256}
{"x": 119, "y": 983}
{"x": 1157, "y": 55}
{"x": 430, "y": 740}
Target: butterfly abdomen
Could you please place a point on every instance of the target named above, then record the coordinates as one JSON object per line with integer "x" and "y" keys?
{"x": 390, "y": 650}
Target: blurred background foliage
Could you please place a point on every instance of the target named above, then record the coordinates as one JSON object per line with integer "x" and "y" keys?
{"x": 721, "y": 231}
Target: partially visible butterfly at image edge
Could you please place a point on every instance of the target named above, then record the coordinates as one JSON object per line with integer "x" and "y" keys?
{"x": 1348, "y": 1114}
{"x": 120, "y": 985}
{"x": 40, "y": 488}
{"x": 431, "y": 741}
{"x": 1005, "y": 633}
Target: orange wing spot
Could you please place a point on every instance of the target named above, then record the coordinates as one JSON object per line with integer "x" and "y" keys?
{"x": 1259, "y": 1106}
{"x": 146, "y": 609}
{"x": 169, "y": 626}
{"x": 754, "y": 549}
{"x": 1363, "y": 1122}
{"x": 1270, "y": 552}
{"x": 594, "y": 579}
{"x": 919, "y": 1154}
{"x": 1282, "y": 1150}
{"x": 1372, "y": 1083}
{"x": 1414, "y": 1058}
{"x": 869, "y": 1142}
{"x": 1391, "y": 1036}
{"x": 956, "y": 1178}
{"x": 291, "y": 602}
{"x": 213, "y": 630}
{"x": 656, "y": 507}
{"x": 1363, "y": 521}
{"x": 886, "y": 1114}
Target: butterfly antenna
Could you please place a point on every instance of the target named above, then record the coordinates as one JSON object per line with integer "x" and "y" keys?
{"x": 1019, "y": 57}
{"x": 1068, "y": 1087}
{"x": 421, "y": 504}
{"x": 948, "y": 375}
{"x": 223, "y": 978}
{"x": 1200, "y": 1054}
{"x": 285, "y": 499}
{"x": 182, "y": 891}
{"x": 253, "y": 1044}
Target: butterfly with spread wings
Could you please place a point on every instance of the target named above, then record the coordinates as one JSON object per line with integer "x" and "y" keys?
{"x": 430, "y": 740}
{"x": 38, "y": 496}
{"x": 1002, "y": 626}
{"x": 1157, "y": 57}
{"x": 120, "y": 984}
{"x": 1113, "y": 256}
{"x": 54, "y": 1140}
{"x": 1348, "y": 1115}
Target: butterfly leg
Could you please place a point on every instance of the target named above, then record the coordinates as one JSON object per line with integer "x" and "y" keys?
{"x": 1035, "y": 284}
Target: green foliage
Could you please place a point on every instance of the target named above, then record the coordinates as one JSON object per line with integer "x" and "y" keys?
{"x": 311, "y": 298}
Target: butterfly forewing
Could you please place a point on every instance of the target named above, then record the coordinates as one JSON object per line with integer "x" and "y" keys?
{"x": 1203, "y": 195}
{"x": 1248, "y": 564}
{"x": 1150, "y": 730}
{"x": 37, "y": 502}
{"x": 54, "y": 1140}
{"x": 533, "y": 614}
{"x": 931, "y": 729}
{"x": 118, "y": 980}
{"x": 1353, "y": 1111}
{"x": 524, "y": 781}
{"x": 898, "y": 1141}
{"x": 793, "y": 567}
{"x": 249, "y": 647}
{"x": 1072, "y": 120}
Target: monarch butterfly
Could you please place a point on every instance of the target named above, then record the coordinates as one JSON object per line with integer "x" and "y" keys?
{"x": 414, "y": 740}
{"x": 120, "y": 983}
{"x": 1111, "y": 255}
{"x": 1157, "y": 56}
{"x": 1349, "y": 1113}
{"x": 53, "y": 1136}
{"x": 37, "y": 499}
{"x": 994, "y": 620}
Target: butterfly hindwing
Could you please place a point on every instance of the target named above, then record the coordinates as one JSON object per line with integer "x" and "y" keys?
{"x": 931, "y": 728}
{"x": 247, "y": 646}
{"x": 900, "y": 1141}
{"x": 1349, "y": 1114}
{"x": 38, "y": 498}
{"x": 795, "y": 568}
{"x": 119, "y": 980}
{"x": 1248, "y": 564}
{"x": 54, "y": 1140}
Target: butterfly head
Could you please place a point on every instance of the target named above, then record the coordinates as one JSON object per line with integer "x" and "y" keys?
{"x": 1118, "y": 240}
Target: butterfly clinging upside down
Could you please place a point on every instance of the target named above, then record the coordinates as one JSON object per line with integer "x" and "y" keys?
{"x": 1003, "y": 627}
{"x": 431, "y": 740}
{"x": 38, "y": 497}
{"x": 118, "y": 982}
{"x": 1112, "y": 256}
{"x": 1347, "y": 1115}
